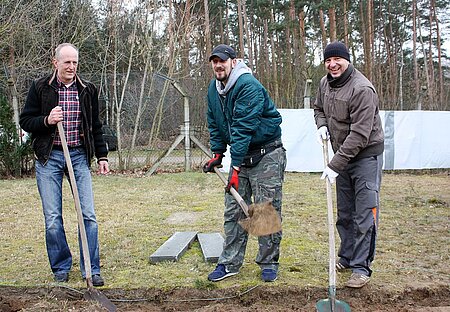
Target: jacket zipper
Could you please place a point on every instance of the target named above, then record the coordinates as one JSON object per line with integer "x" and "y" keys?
{"x": 225, "y": 115}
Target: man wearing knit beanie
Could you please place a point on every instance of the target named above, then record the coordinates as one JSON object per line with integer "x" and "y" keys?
{"x": 336, "y": 48}
{"x": 346, "y": 112}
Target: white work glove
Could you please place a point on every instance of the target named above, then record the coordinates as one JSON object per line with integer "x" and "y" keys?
{"x": 330, "y": 174}
{"x": 322, "y": 134}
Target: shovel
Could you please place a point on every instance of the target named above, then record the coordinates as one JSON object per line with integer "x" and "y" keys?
{"x": 91, "y": 293}
{"x": 331, "y": 304}
{"x": 261, "y": 219}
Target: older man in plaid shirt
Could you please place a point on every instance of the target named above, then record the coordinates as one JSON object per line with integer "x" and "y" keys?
{"x": 64, "y": 97}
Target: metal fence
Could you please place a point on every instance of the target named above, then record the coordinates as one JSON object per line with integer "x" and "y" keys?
{"x": 173, "y": 115}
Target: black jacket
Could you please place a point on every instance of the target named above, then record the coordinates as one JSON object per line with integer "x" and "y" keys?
{"x": 42, "y": 98}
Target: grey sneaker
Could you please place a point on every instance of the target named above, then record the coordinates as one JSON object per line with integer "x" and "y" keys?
{"x": 357, "y": 280}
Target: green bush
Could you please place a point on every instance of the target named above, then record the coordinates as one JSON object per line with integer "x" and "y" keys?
{"x": 15, "y": 157}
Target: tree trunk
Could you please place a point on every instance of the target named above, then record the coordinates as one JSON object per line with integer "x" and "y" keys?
{"x": 227, "y": 26}
{"x": 425, "y": 67}
{"x": 414, "y": 53}
{"x": 345, "y": 16}
{"x": 439, "y": 105}
{"x": 241, "y": 53}
{"x": 332, "y": 17}
{"x": 274, "y": 61}
{"x": 185, "y": 27}
{"x": 322, "y": 28}
{"x": 207, "y": 29}
{"x": 302, "y": 40}
{"x": 370, "y": 39}
{"x": 148, "y": 68}
{"x": 431, "y": 87}
{"x": 119, "y": 104}
{"x": 247, "y": 34}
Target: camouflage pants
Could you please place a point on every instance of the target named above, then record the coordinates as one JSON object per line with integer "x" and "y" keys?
{"x": 262, "y": 183}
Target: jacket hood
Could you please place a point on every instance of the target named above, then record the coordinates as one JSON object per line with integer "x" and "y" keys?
{"x": 237, "y": 71}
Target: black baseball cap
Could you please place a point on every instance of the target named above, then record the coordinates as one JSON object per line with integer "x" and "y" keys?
{"x": 224, "y": 52}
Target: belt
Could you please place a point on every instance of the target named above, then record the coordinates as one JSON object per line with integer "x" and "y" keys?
{"x": 266, "y": 148}
{"x": 60, "y": 148}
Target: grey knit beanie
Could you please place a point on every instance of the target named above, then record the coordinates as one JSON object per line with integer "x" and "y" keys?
{"x": 336, "y": 48}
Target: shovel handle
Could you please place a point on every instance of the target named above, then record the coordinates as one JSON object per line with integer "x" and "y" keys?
{"x": 73, "y": 183}
{"x": 233, "y": 192}
{"x": 331, "y": 239}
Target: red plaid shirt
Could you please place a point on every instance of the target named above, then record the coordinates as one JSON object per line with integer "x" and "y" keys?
{"x": 68, "y": 100}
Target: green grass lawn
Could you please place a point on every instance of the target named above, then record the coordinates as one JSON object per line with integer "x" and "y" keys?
{"x": 138, "y": 214}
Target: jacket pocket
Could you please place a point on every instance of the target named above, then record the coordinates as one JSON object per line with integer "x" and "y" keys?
{"x": 340, "y": 111}
{"x": 369, "y": 195}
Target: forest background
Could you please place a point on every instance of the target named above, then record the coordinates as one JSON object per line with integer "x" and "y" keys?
{"x": 136, "y": 51}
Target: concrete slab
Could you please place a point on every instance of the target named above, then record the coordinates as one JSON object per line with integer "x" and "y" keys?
{"x": 174, "y": 247}
{"x": 211, "y": 245}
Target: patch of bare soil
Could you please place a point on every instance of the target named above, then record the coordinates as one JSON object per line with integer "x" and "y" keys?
{"x": 258, "y": 298}
{"x": 182, "y": 217}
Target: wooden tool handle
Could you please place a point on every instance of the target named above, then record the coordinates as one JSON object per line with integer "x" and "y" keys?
{"x": 233, "y": 192}
{"x": 73, "y": 183}
{"x": 331, "y": 239}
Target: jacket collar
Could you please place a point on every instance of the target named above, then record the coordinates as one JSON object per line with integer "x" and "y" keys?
{"x": 77, "y": 79}
{"x": 342, "y": 79}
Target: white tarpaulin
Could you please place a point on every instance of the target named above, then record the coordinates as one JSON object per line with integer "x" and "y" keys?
{"x": 413, "y": 140}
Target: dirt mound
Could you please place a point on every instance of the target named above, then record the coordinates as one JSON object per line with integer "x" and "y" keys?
{"x": 256, "y": 298}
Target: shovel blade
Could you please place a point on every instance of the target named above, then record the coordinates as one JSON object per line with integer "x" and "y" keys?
{"x": 328, "y": 305}
{"x": 93, "y": 294}
{"x": 263, "y": 220}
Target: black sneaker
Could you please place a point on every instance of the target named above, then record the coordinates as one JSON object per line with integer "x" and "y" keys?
{"x": 97, "y": 280}
{"x": 341, "y": 267}
{"x": 61, "y": 277}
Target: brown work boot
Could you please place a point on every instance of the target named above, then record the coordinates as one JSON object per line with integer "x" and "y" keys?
{"x": 357, "y": 280}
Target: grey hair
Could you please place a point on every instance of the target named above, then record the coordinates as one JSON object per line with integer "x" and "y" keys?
{"x": 62, "y": 45}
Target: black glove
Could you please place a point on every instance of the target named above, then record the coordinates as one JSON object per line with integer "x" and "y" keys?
{"x": 216, "y": 161}
{"x": 233, "y": 179}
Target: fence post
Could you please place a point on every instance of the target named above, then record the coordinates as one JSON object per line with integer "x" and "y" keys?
{"x": 307, "y": 94}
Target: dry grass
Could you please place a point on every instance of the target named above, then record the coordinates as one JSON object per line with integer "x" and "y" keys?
{"x": 136, "y": 215}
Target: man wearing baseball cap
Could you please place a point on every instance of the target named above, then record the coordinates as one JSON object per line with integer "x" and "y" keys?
{"x": 224, "y": 52}
{"x": 346, "y": 112}
{"x": 241, "y": 114}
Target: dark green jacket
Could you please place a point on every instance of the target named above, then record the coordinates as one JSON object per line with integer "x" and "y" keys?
{"x": 245, "y": 118}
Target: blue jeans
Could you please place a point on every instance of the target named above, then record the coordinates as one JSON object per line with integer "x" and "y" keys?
{"x": 49, "y": 181}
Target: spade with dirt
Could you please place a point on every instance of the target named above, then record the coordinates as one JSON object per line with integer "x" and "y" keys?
{"x": 261, "y": 219}
{"x": 91, "y": 293}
